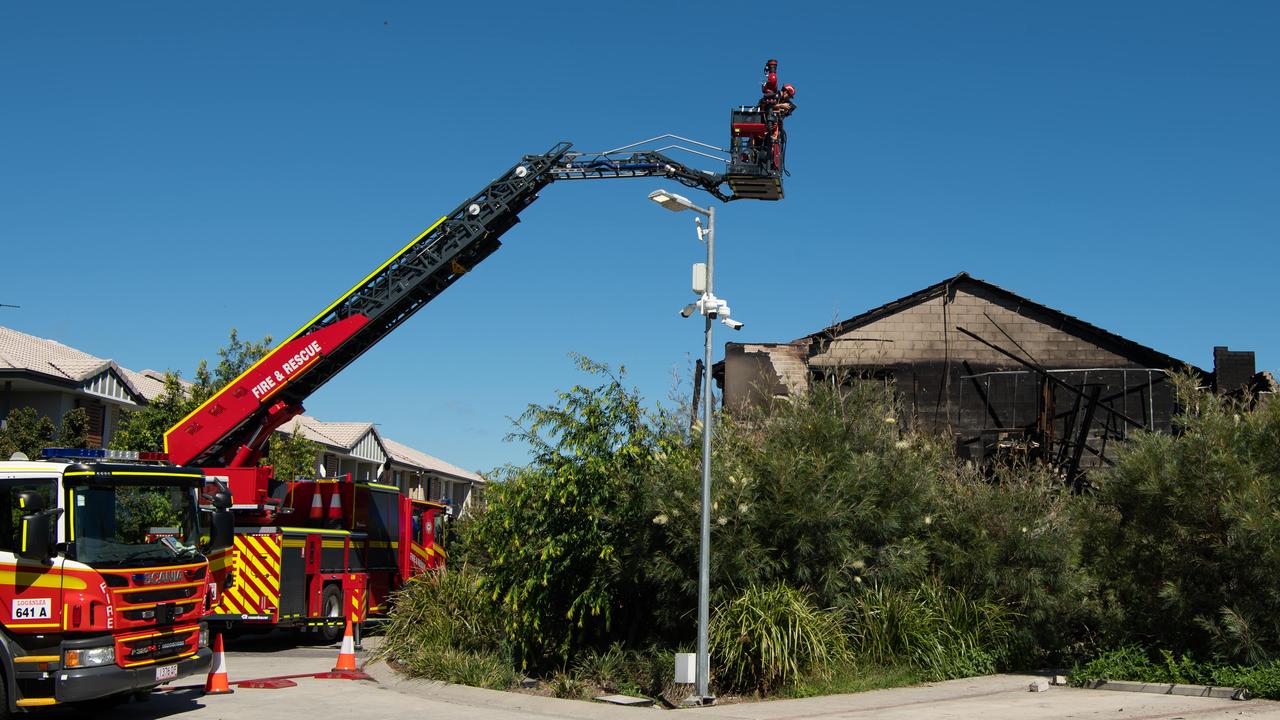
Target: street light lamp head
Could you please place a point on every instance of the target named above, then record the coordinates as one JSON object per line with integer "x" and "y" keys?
{"x": 671, "y": 201}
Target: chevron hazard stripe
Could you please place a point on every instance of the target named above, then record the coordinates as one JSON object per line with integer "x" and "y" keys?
{"x": 256, "y": 591}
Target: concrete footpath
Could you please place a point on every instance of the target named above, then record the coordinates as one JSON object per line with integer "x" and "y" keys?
{"x": 392, "y": 697}
{"x": 997, "y": 697}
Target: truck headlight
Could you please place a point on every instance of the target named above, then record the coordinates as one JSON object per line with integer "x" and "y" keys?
{"x": 91, "y": 657}
{"x": 204, "y": 636}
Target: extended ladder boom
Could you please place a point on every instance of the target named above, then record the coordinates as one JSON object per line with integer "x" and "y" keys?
{"x": 231, "y": 428}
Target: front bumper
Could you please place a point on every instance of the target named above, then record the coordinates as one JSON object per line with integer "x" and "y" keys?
{"x": 78, "y": 684}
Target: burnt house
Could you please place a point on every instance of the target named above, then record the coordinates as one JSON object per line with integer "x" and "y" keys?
{"x": 998, "y": 372}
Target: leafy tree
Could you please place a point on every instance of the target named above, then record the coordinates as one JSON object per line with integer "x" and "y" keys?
{"x": 237, "y": 356}
{"x": 292, "y": 455}
{"x": 25, "y": 431}
{"x": 74, "y": 432}
{"x": 565, "y": 536}
{"x": 144, "y": 428}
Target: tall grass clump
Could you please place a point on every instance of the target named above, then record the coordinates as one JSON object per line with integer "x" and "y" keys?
{"x": 444, "y": 627}
{"x": 769, "y": 636}
{"x": 934, "y": 628}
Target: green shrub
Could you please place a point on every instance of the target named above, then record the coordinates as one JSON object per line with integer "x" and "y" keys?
{"x": 1262, "y": 680}
{"x": 934, "y": 628}
{"x": 567, "y": 685}
{"x": 1187, "y": 541}
{"x": 769, "y": 636}
{"x": 1126, "y": 663}
{"x": 463, "y": 667}
{"x": 563, "y": 538}
{"x": 1018, "y": 538}
{"x": 820, "y": 492}
{"x": 436, "y": 618}
{"x": 1136, "y": 664}
{"x": 606, "y": 669}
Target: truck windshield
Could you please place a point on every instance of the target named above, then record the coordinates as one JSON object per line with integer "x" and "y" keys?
{"x": 126, "y": 525}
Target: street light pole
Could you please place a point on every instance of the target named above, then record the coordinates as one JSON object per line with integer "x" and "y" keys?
{"x": 704, "y": 562}
{"x": 711, "y": 308}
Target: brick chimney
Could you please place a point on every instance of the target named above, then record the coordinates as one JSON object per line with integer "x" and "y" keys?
{"x": 1232, "y": 369}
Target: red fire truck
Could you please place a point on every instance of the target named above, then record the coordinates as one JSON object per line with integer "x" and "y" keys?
{"x": 308, "y": 553}
{"x": 102, "y": 583}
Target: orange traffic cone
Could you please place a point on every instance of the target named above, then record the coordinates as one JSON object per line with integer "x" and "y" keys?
{"x": 335, "y": 505}
{"x": 317, "y": 506}
{"x": 346, "y": 667}
{"x": 217, "y": 683}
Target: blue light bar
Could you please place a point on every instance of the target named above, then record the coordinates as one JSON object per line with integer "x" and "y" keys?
{"x": 55, "y": 452}
{"x": 107, "y": 454}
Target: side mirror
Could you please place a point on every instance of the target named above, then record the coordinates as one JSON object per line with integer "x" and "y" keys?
{"x": 221, "y": 500}
{"x": 223, "y": 533}
{"x": 37, "y": 526}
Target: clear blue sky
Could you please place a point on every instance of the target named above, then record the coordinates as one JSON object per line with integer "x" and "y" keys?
{"x": 172, "y": 170}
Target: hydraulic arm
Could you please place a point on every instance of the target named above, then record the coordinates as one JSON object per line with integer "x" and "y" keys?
{"x": 232, "y": 427}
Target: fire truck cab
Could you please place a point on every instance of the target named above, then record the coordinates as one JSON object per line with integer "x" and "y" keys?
{"x": 102, "y": 580}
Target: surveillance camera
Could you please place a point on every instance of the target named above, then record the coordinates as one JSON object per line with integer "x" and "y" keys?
{"x": 733, "y": 324}
{"x": 687, "y": 310}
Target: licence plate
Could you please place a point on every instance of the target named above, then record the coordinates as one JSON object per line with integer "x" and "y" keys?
{"x": 166, "y": 672}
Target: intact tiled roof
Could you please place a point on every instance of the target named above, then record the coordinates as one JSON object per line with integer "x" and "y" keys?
{"x": 20, "y": 351}
{"x": 147, "y": 383}
{"x": 1125, "y": 346}
{"x": 55, "y": 361}
{"x": 335, "y": 434}
{"x": 406, "y": 455}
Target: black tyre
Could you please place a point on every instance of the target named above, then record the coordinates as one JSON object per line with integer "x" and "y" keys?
{"x": 331, "y": 607}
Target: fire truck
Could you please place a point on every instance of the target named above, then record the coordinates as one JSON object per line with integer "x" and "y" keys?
{"x": 312, "y": 553}
{"x": 309, "y": 554}
{"x": 103, "y": 585}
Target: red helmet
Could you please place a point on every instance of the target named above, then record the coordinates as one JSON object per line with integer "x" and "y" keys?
{"x": 788, "y": 90}
{"x": 771, "y": 65}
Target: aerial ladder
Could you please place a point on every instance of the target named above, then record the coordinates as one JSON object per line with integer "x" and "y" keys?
{"x": 294, "y": 563}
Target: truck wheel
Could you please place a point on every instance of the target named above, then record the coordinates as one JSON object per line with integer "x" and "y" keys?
{"x": 331, "y": 607}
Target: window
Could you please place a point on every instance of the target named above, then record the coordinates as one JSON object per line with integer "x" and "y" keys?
{"x": 11, "y": 513}
{"x": 122, "y": 524}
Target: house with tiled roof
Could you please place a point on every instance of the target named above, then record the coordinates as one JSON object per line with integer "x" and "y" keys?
{"x": 426, "y": 477}
{"x": 359, "y": 449}
{"x": 347, "y": 447}
{"x": 54, "y": 378}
